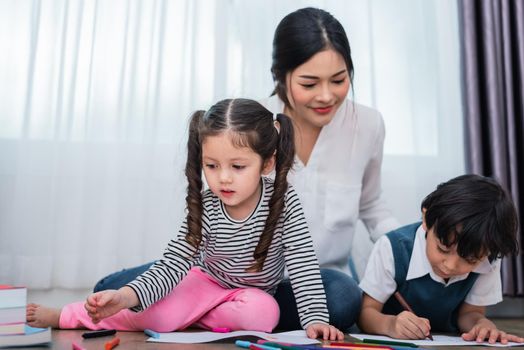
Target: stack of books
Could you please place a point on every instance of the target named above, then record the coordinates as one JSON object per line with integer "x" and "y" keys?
{"x": 12, "y": 309}
{"x": 13, "y": 330}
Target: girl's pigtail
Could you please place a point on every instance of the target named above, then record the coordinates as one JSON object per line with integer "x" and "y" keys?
{"x": 285, "y": 156}
{"x": 194, "y": 179}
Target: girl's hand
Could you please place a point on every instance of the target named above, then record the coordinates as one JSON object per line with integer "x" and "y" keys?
{"x": 106, "y": 303}
{"x": 324, "y": 331}
{"x": 407, "y": 325}
{"x": 485, "y": 329}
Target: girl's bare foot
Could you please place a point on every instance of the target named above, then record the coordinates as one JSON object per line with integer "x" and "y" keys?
{"x": 41, "y": 316}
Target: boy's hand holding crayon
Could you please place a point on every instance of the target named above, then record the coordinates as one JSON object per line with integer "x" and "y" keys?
{"x": 484, "y": 330}
{"x": 407, "y": 325}
{"x": 324, "y": 331}
{"x": 108, "y": 302}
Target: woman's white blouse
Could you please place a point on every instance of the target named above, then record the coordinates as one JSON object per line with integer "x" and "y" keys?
{"x": 341, "y": 182}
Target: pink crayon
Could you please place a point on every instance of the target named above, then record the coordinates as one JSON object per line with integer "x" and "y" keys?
{"x": 77, "y": 347}
{"x": 221, "y": 330}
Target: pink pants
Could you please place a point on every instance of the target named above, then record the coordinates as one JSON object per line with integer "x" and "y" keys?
{"x": 197, "y": 300}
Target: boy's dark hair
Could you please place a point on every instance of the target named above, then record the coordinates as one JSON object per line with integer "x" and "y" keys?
{"x": 475, "y": 213}
{"x": 299, "y": 36}
{"x": 251, "y": 125}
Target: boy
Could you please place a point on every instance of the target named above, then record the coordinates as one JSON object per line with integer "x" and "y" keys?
{"x": 447, "y": 268}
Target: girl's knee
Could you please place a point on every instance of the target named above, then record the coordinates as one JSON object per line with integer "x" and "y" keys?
{"x": 156, "y": 318}
{"x": 260, "y": 311}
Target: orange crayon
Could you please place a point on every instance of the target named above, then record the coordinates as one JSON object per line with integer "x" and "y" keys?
{"x": 111, "y": 344}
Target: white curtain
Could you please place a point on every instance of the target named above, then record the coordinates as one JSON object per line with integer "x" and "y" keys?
{"x": 95, "y": 95}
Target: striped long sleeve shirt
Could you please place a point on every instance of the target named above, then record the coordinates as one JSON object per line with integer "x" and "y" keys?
{"x": 226, "y": 251}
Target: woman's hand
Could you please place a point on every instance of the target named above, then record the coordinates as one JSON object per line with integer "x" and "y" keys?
{"x": 108, "y": 302}
{"x": 407, "y": 325}
{"x": 324, "y": 331}
{"x": 484, "y": 330}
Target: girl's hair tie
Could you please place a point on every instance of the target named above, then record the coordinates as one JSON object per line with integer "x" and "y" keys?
{"x": 275, "y": 122}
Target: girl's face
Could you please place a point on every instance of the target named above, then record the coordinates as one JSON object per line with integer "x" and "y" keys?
{"x": 233, "y": 174}
{"x": 317, "y": 88}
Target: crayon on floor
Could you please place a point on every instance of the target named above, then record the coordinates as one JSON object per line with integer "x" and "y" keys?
{"x": 287, "y": 347}
{"x": 111, "y": 344}
{"x": 221, "y": 330}
{"x": 389, "y": 342}
{"x": 261, "y": 347}
{"x": 362, "y": 346}
{"x": 248, "y": 345}
{"x": 98, "y": 333}
{"x": 151, "y": 333}
{"x": 76, "y": 346}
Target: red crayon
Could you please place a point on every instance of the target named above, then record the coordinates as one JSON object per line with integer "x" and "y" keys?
{"x": 357, "y": 345}
{"x": 111, "y": 344}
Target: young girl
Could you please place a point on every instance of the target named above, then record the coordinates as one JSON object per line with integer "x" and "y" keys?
{"x": 230, "y": 254}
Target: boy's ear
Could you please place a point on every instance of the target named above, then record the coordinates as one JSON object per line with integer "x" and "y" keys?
{"x": 269, "y": 165}
{"x": 424, "y": 226}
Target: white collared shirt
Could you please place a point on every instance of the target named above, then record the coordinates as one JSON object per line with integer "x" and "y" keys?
{"x": 379, "y": 278}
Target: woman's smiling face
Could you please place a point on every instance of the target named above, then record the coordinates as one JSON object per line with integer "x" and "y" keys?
{"x": 317, "y": 88}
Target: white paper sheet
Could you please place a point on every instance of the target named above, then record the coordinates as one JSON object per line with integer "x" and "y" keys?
{"x": 293, "y": 337}
{"x": 437, "y": 340}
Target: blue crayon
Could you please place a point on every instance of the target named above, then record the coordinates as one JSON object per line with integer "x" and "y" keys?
{"x": 151, "y": 333}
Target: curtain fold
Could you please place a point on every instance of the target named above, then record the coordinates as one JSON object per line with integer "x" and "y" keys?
{"x": 492, "y": 49}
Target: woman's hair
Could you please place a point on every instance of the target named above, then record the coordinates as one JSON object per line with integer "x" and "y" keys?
{"x": 251, "y": 125}
{"x": 475, "y": 213}
{"x": 299, "y": 36}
